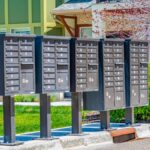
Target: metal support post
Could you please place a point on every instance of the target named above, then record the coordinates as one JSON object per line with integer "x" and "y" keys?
{"x": 105, "y": 119}
{"x": 76, "y": 113}
{"x": 129, "y": 116}
{"x": 9, "y": 120}
{"x": 45, "y": 116}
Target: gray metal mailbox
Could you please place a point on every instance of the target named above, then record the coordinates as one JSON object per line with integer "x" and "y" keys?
{"x": 111, "y": 94}
{"x": 17, "y": 64}
{"x": 137, "y": 53}
{"x": 84, "y": 65}
{"x": 52, "y": 64}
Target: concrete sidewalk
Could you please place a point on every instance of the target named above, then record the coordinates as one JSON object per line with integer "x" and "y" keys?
{"x": 92, "y": 135}
{"x": 61, "y": 103}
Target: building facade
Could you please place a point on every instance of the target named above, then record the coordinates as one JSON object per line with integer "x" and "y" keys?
{"x": 105, "y": 18}
{"x": 29, "y": 16}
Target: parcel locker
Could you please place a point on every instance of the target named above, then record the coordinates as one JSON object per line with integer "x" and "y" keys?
{"x": 16, "y": 61}
{"x": 136, "y": 53}
{"x": 111, "y": 94}
{"x": 84, "y": 65}
{"x": 52, "y": 64}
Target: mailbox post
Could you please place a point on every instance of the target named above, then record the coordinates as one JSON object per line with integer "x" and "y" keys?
{"x": 17, "y": 76}
{"x": 83, "y": 75}
{"x": 53, "y": 74}
{"x": 111, "y": 94}
{"x": 136, "y": 55}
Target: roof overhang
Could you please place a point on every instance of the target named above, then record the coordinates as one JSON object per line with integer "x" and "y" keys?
{"x": 73, "y": 8}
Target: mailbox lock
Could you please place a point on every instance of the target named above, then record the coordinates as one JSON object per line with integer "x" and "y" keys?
{"x": 91, "y": 79}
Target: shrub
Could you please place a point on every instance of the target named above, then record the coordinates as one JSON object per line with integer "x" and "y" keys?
{"x": 25, "y": 98}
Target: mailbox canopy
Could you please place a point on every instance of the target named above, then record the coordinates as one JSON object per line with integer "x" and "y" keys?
{"x": 17, "y": 64}
{"x": 52, "y": 64}
{"x": 111, "y": 94}
{"x": 84, "y": 65}
{"x": 137, "y": 53}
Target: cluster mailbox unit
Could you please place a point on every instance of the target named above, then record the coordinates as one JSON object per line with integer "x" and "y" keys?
{"x": 17, "y": 67}
{"x": 53, "y": 64}
{"x": 137, "y": 53}
{"x": 17, "y": 75}
{"x": 111, "y": 94}
{"x": 84, "y": 65}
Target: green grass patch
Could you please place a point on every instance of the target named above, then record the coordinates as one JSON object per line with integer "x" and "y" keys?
{"x": 28, "y": 118}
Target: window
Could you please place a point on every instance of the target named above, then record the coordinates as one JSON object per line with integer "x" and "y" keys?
{"x": 21, "y": 31}
{"x": 86, "y": 32}
{"x": 3, "y": 30}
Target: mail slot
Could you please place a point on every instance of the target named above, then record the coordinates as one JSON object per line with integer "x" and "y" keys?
{"x": 111, "y": 93}
{"x": 137, "y": 73}
{"x": 17, "y": 64}
{"x": 84, "y": 65}
{"x": 53, "y": 64}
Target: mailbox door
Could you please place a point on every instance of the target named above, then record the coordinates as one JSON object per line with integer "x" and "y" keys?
{"x": 27, "y": 78}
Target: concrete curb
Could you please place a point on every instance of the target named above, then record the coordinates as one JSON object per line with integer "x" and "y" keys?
{"x": 73, "y": 142}
{"x": 143, "y": 131}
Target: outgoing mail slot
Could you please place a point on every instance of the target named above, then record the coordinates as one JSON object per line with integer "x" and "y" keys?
{"x": 62, "y": 68}
{"x": 92, "y": 68}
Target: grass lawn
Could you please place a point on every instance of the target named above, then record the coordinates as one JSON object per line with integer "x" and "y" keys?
{"x": 27, "y": 118}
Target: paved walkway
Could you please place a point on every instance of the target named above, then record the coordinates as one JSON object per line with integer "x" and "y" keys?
{"x": 61, "y": 103}
{"x": 93, "y": 127}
